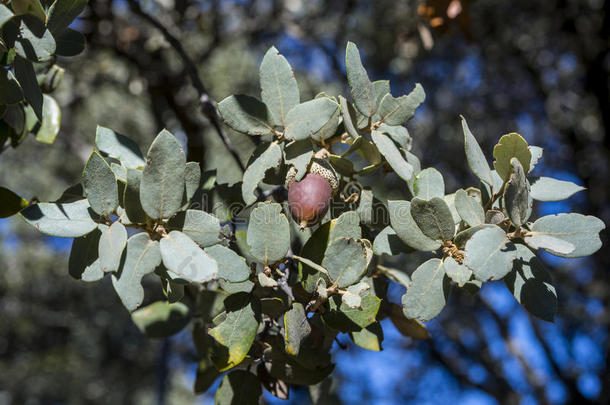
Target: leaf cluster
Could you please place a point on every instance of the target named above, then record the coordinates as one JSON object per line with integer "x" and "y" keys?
{"x": 266, "y": 299}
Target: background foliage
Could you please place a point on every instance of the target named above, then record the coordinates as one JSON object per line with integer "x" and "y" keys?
{"x": 542, "y": 75}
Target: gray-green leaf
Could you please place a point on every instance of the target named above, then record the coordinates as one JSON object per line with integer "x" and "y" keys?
{"x": 359, "y": 83}
{"x": 429, "y": 183}
{"x": 162, "y": 184}
{"x": 298, "y": 154}
{"x": 433, "y": 217}
{"x": 142, "y": 256}
{"x": 456, "y": 271}
{"x": 118, "y": 146}
{"x": 469, "y": 209}
{"x": 246, "y": 114}
{"x": 296, "y": 328}
{"x": 346, "y": 261}
{"x": 550, "y": 189}
{"x": 255, "y": 173}
{"x": 268, "y": 233}
{"x": 406, "y": 228}
{"x": 111, "y": 245}
{"x": 200, "y": 226}
{"x": 582, "y": 231}
{"x": 489, "y": 254}
{"x": 279, "y": 89}
{"x": 303, "y": 120}
{"x": 231, "y": 266}
{"x": 100, "y": 185}
{"x": 426, "y": 296}
{"x": 392, "y": 154}
{"x": 68, "y": 220}
{"x": 516, "y": 194}
{"x": 398, "y": 111}
{"x": 185, "y": 260}
{"x": 476, "y": 159}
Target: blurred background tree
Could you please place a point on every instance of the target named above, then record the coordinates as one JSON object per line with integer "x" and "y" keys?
{"x": 537, "y": 67}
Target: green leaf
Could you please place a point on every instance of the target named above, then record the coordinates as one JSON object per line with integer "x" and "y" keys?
{"x": 369, "y": 338}
{"x": 531, "y": 285}
{"x": 305, "y": 119}
{"x": 398, "y": 111}
{"x": 407, "y": 229}
{"x": 360, "y": 85}
{"x": 111, "y": 246}
{"x": 429, "y": 183}
{"x": 185, "y": 260}
{"x": 511, "y": 146}
{"x": 200, "y": 226}
{"x": 287, "y": 369}
{"x": 231, "y": 266}
{"x": 68, "y": 220}
{"x": 456, "y": 271}
{"x": 299, "y": 154}
{"x": 516, "y": 194}
{"x": 433, "y": 217}
{"x": 296, "y": 328}
{"x": 162, "y": 184}
{"x": 118, "y": 146}
{"x": 142, "y": 255}
{"x": 255, "y": 172}
{"x": 51, "y": 120}
{"x": 161, "y": 319}
{"x": 84, "y": 254}
{"x": 343, "y": 166}
{"x": 345, "y": 319}
{"x": 10, "y": 89}
{"x": 393, "y": 156}
{"x": 387, "y": 242}
{"x": 469, "y": 209}
{"x": 476, "y": 159}
{"x": 131, "y": 197}
{"x": 549, "y": 243}
{"x": 268, "y": 233}
{"x": 549, "y": 189}
{"x": 246, "y": 114}
{"x": 426, "y": 296}
{"x": 63, "y": 12}
{"x": 398, "y": 133}
{"x": 24, "y": 71}
{"x": 100, "y": 185}
{"x": 11, "y": 203}
{"x": 346, "y": 261}
{"x": 31, "y": 7}
{"x": 489, "y": 254}
{"x": 582, "y": 231}
{"x": 30, "y": 39}
{"x": 279, "y": 89}
{"x": 236, "y": 333}
{"x": 346, "y": 226}
{"x": 237, "y": 388}
{"x": 69, "y": 43}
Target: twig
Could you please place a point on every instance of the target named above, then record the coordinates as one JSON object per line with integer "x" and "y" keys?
{"x": 208, "y": 106}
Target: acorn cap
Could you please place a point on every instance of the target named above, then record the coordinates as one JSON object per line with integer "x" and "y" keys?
{"x": 320, "y": 167}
